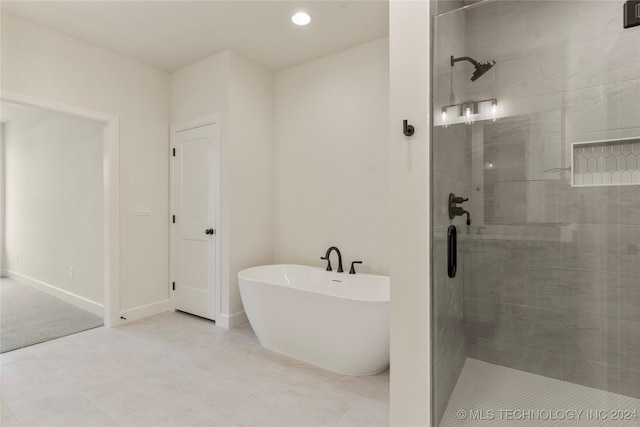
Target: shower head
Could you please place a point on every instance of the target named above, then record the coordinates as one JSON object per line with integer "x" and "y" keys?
{"x": 481, "y": 67}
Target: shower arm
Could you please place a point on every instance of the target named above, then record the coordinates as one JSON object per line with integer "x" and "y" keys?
{"x": 463, "y": 58}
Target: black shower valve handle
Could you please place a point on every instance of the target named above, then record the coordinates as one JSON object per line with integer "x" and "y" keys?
{"x": 455, "y": 210}
{"x": 460, "y": 199}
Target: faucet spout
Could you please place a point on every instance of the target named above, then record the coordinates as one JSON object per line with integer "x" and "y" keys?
{"x": 326, "y": 257}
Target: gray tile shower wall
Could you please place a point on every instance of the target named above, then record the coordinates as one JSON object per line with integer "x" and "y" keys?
{"x": 519, "y": 303}
{"x": 552, "y": 286}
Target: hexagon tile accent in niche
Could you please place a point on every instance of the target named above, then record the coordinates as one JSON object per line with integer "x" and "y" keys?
{"x": 611, "y": 162}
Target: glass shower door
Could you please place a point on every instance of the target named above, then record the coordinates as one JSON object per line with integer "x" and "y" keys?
{"x": 542, "y": 318}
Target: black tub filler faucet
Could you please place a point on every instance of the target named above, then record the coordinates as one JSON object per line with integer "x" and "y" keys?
{"x": 326, "y": 257}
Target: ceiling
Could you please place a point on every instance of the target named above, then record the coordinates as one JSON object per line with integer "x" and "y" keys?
{"x": 172, "y": 34}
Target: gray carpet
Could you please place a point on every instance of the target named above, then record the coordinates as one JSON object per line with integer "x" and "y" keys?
{"x": 28, "y": 316}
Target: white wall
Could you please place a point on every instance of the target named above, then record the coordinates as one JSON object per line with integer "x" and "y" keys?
{"x": 49, "y": 65}
{"x": 54, "y": 202}
{"x": 241, "y": 92}
{"x": 409, "y": 159}
{"x": 251, "y": 172}
{"x": 201, "y": 89}
{"x": 332, "y": 176}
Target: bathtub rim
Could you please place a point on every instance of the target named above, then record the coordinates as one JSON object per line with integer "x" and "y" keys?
{"x": 363, "y": 299}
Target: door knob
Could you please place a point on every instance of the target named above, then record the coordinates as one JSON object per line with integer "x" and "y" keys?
{"x": 210, "y": 231}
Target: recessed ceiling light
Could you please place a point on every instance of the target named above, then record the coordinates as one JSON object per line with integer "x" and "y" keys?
{"x": 301, "y": 18}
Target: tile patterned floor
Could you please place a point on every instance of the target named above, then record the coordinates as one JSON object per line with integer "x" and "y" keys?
{"x": 496, "y": 396}
{"x": 174, "y": 369}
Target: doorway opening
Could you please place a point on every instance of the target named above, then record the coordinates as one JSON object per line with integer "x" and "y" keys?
{"x": 77, "y": 227}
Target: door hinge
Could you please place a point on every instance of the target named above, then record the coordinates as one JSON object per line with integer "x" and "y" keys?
{"x": 174, "y": 152}
{"x": 174, "y": 219}
{"x": 174, "y": 286}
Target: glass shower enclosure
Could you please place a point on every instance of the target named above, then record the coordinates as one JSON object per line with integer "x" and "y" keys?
{"x": 536, "y": 221}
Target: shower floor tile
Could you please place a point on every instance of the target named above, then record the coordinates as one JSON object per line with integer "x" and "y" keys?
{"x": 492, "y": 395}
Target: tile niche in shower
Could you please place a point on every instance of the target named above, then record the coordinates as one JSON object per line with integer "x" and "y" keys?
{"x": 610, "y": 162}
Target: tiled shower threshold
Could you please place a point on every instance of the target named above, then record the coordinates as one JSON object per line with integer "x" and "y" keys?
{"x": 492, "y": 395}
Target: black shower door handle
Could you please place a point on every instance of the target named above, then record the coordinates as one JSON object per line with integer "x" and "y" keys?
{"x": 452, "y": 251}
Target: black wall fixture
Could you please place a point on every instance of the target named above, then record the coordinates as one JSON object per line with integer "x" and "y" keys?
{"x": 631, "y": 12}
{"x": 407, "y": 129}
{"x": 455, "y": 210}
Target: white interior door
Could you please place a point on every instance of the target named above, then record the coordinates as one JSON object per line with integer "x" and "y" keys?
{"x": 196, "y": 184}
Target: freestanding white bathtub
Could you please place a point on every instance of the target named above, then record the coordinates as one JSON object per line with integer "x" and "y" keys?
{"x": 337, "y": 321}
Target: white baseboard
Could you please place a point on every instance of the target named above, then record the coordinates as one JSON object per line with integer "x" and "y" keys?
{"x": 78, "y": 301}
{"x": 231, "y": 321}
{"x": 142, "y": 311}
